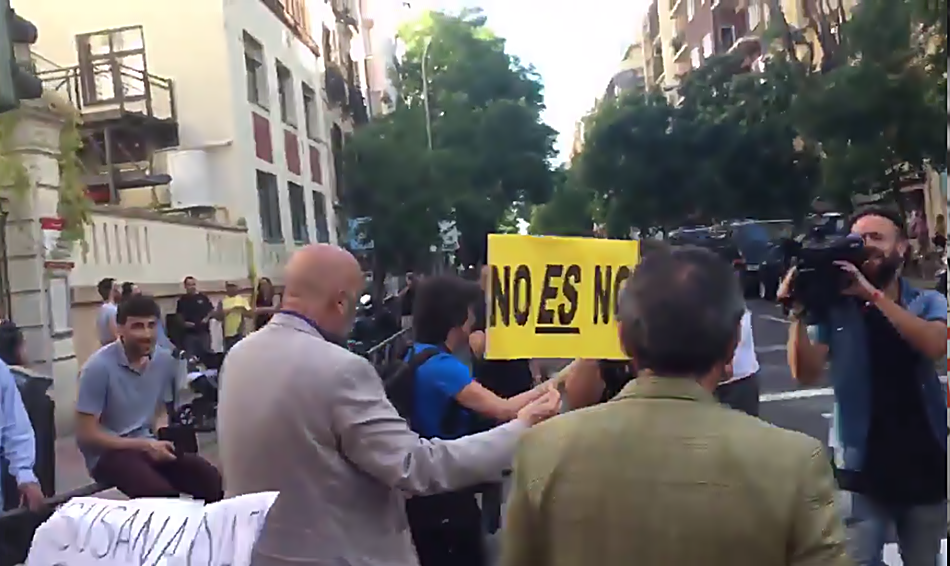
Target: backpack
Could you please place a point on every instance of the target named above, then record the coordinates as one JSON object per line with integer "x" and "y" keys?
{"x": 399, "y": 382}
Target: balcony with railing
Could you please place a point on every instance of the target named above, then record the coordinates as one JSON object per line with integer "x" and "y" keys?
{"x": 112, "y": 79}
{"x": 680, "y": 46}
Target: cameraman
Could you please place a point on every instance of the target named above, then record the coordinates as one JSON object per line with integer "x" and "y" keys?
{"x": 879, "y": 344}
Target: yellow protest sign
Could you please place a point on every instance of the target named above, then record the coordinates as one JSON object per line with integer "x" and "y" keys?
{"x": 555, "y": 297}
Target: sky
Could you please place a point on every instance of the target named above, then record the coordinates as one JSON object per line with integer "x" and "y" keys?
{"x": 576, "y": 46}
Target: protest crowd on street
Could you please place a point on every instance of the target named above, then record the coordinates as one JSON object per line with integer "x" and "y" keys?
{"x": 645, "y": 448}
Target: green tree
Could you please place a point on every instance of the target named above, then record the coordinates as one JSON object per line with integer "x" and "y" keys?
{"x": 485, "y": 108}
{"x": 728, "y": 150}
{"x": 390, "y": 180}
{"x": 570, "y": 212}
{"x": 879, "y": 119}
{"x": 632, "y": 160}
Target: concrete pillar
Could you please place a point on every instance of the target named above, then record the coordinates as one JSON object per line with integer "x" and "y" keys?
{"x": 39, "y": 290}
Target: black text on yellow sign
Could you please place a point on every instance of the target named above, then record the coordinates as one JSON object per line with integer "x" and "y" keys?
{"x": 555, "y": 297}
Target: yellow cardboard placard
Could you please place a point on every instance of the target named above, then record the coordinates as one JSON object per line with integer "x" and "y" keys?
{"x": 553, "y": 297}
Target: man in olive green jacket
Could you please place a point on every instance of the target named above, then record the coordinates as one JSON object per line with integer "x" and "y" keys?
{"x": 663, "y": 475}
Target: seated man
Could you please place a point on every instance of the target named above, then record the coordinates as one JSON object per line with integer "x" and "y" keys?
{"x": 123, "y": 391}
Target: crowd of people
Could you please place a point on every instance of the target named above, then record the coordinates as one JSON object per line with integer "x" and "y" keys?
{"x": 659, "y": 461}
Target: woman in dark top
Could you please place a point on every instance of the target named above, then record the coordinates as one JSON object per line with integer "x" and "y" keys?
{"x": 12, "y": 345}
{"x": 266, "y": 303}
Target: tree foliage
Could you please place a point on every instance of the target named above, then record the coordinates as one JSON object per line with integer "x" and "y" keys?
{"x": 570, "y": 211}
{"x": 845, "y": 105}
{"x": 490, "y": 149}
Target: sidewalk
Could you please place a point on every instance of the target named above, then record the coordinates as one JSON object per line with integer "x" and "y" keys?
{"x": 71, "y": 471}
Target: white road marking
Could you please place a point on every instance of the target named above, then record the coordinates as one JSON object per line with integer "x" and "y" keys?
{"x": 775, "y": 318}
{"x": 796, "y": 394}
{"x": 771, "y": 349}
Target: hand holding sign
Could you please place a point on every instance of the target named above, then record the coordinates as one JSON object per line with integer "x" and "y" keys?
{"x": 556, "y": 297}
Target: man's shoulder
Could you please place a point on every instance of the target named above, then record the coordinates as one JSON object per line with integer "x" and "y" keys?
{"x": 164, "y": 358}
{"x": 103, "y": 358}
{"x": 932, "y": 303}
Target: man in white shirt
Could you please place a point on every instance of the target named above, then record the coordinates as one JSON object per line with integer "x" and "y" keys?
{"x": 741, "y": 390}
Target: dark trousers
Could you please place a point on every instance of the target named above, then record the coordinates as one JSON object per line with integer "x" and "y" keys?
{"x": 136, "y": 475}
{"x": 447, "y": 530}
{"x": 196, "y": 344}
{"x": 230, "y": 341}
{"x": 492, "y": 495}
{"x": 742, "y": 395}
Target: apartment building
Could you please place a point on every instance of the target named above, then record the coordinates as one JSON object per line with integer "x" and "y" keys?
{"x": 247, "y": 103}
{"x": 684, "y": 33}
{"x": 631, "y": 74}
{"x": 381, "y": 21}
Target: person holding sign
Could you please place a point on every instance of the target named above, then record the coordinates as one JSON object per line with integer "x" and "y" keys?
{"x": 663, "y": 474}
{"x": 302, "y": 415}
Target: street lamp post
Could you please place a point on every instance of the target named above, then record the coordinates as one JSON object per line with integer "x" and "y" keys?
{"x": 425, "y": 90}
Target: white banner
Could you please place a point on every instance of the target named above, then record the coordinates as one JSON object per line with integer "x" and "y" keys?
{"x": 88, "y": 531}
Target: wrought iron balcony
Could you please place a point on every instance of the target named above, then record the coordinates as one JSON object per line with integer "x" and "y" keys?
{"x": 107, "y": 89}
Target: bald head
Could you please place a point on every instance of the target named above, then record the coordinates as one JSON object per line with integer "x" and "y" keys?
{"x": 322, "y": 281}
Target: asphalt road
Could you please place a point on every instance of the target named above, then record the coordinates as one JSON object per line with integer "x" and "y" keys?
{"x": 784, "y": 402}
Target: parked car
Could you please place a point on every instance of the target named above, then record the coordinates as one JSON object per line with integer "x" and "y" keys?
{"x": 714, "y": 238}
{"x": 761, "y": 244}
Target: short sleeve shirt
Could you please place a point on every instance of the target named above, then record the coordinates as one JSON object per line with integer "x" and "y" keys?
{"x": 438, "y": 381}
{"x": 104, "y": 320}
{"x": 125, "y": 400}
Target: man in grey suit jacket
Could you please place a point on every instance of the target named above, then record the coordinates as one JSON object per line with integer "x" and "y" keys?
{"x": 302, "y": 415}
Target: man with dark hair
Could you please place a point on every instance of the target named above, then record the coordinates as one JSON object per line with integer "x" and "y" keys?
{"x": 195, "y": 310}
{"x": 121, "y": 409}
{"x": 663, "y": 474}
{"x": 450, "y": 404}
{"x": 105, "y": 319}
{"x": 879, "y": 345}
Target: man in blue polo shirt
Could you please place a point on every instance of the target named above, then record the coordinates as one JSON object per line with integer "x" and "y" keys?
{"x": 880, "y": 350}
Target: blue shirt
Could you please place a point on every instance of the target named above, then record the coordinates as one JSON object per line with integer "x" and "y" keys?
{"x": 124, "y": 398}
{"x": 17, "y": 441}
{"x": 438, "y": 381}
{"x": 161, "y": 337}
{"x": 849, "y": 371}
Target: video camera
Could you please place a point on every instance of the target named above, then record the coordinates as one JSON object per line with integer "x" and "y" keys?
{"x": 819, "y": 283}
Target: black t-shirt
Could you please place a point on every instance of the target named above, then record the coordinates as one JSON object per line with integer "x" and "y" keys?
{"x": 194, "y": 308}
{"x": 408, "y": 300}
{"x": 505, "y": 378}
{"x": 261, "y": 320}
{"x": 904, "y": 463}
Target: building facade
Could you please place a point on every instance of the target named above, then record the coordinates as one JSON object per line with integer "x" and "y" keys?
{"x": 381, "y": 21}
{"x": 684, "y": 33}
{"x": 251, "y": 101}
{"x": 632, "y": 73}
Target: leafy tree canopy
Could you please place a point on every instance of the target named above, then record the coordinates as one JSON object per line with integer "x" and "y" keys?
{"x": 570, "y": 212}
{"x": 490, "y": 150}
{"x": 844, "y": 106}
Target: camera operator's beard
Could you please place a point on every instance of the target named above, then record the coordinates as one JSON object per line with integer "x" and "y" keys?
{"x": 884, "y": 271}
